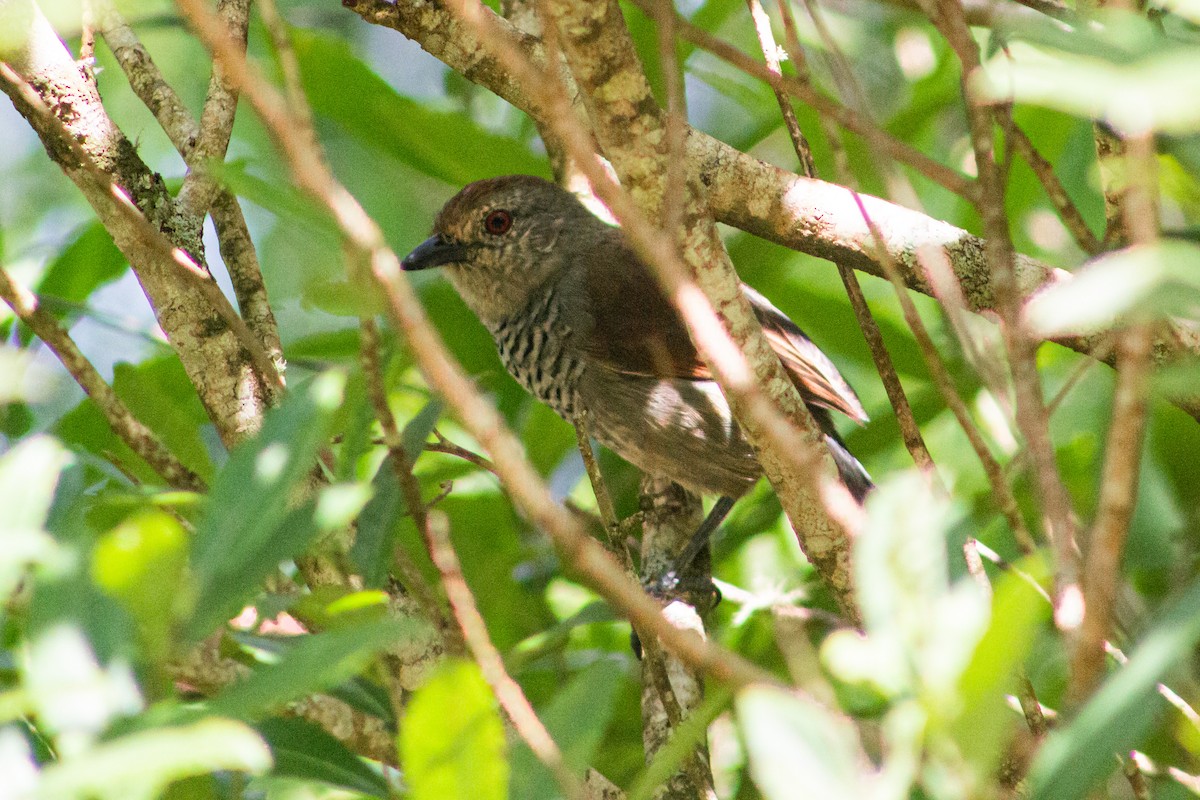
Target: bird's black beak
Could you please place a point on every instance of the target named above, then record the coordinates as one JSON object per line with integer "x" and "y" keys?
{"x": 434, "y": 252}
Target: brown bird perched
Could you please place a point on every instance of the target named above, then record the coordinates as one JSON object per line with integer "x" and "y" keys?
{"x": 581, "y": 323}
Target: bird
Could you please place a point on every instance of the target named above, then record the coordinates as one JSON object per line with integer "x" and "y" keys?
{"x": 581, "y": 323}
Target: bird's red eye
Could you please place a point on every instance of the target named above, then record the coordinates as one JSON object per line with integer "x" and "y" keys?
{"x": 497, "y": 222}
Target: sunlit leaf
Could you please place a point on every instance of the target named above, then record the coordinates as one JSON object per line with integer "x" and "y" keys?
{"x": 139, "y": 766}
{"x": 1136, "y": 92}
{"x": 1144, "y": 282}
{"x": 794, "y": 741}
{"x": 29, "y": 473}
{"x": 452, "y": 740}
{"x": 75, "y": 697}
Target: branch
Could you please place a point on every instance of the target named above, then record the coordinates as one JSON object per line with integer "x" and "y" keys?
{"x": 580, "y": 554}
{"x": 233, "y": 236}
{"x": 64, "y": 108}
{"x": 141, "y": 440}
{"x": 765, "y": 403}
{"x": 810, "y": 216}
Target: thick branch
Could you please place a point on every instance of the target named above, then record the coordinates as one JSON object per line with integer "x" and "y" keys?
{"x": 221, "y": 369}
{"x": 803, "y": 214}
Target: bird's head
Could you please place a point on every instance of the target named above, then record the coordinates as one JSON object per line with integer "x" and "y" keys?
{"x": 501, "y": 239}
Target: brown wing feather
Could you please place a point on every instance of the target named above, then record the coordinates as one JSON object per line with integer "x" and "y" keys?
{"x": 636, "y": 331}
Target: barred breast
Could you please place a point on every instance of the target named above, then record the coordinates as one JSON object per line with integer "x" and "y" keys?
{"x": 535, "y": 348}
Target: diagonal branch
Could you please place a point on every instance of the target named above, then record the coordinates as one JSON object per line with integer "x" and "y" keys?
{"x": 803, "y": 214}
{"x": 64, "y": 108}
{"x": 141, "y": 440}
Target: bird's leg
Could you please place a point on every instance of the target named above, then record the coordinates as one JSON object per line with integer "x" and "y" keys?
{"x": 670, "y": 579}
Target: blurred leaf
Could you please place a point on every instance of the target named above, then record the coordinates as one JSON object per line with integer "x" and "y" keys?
{"x": 376, "y": 115}
{"x": 865, "y": 673}
{"x": 139, "y": 766}
{"x": 22, "y": 379}
{"x": 371, "y": 551}
{"x": 73, "y": 696}
{"x": 238, "y": 541}
{"x": 339, "y": 345}
{"x": 1143, "y": 282}
{"x": 1074, "y": 759}
{"x": 900, "y": 565}
{"x": 793, "y": 741}
{"x": 418, "y": 429}
{"x": 29, "y": 473}
{"x": 311, "y": 663}
{"x": 88, "y": 262}
{"x": 304, "y": 750}
{"x": 984, "y": 725}
{"x": 142, "y": 564}
{"x": 343, "y": 298}
{"x": 301, "y": 212}
{"x": 576, "y": 719}
{"x": 452, "y": 740}
{"x": 1123, "y": 72}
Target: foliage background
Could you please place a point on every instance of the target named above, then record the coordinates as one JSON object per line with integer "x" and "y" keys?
{"x": 111, "y": 593}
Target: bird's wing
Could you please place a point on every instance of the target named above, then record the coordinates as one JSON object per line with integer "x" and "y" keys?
{"x": 637, "y": 332}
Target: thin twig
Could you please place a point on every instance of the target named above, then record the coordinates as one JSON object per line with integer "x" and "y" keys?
{"x": 580, "y": 553}
{"x": 13, "y": 83}
{"x": 604, "y": 502}
{"x": 794, "y": 87}
{"x": 216, "y": 121}
{"x": 444, "y": 445}
{"x": 474, "y": 632}
{"x": 410, "y": 487}
{"x": 1068, "y": 212}
{"x": 1031, "y": 416}
{"x": 1123, "y": 448}
{"x": 909, "y": 430}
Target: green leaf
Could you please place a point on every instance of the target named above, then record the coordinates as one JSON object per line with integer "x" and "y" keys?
{"x": 793, "y": 741}
{"x": 1116, "y": 718}
{"x": 87, "y": 263}
{"x": 452, "y": 740}
{"x": 389, "y": 122}
{"x": 576, "y": 719}
{"x": 312, "y": 663}
{"x": 1146, "y": 282}
{"x": 304, "y": 750}
{"x": 984, "y": 726}
{"x": 418, "y": 429}
{"x": 142, "y": 564}
{"x": 371, "y": 551}
{"x": 141, "y": 765}
{"x": 159, "y": 391}
{"x": 248, "y": 528}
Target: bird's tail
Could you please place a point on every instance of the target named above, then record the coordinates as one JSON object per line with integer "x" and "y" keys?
{"x": 853, "y": 474}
